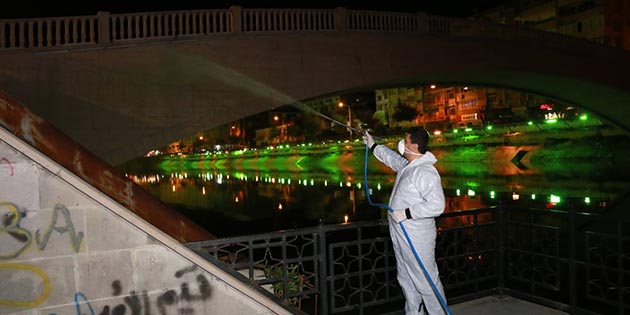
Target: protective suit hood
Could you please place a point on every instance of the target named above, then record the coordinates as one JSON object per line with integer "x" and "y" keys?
{"x": 426, "y": 158}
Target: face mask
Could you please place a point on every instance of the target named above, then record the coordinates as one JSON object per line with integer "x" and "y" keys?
{"x": 402, "y": 149}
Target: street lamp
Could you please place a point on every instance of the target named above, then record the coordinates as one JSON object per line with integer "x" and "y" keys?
{"x": 341, "y": 104}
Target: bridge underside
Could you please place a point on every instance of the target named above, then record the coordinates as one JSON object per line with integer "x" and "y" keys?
{"x": 122, "y": 101}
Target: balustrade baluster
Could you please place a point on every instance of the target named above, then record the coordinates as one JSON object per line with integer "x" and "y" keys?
{"x": 192, "y": 21}
{"x": 129, "y": 20}
{"x": 167, "y": 24}
{"x": 84, "y": 27}
{"x": 212, "y": 28}
{"x": 137, "y": 33}
{"x": 92, "y": 24}
{"x": 75, "y": 25}
{"x": 142, "y": 25}
{"x": 40, "y": 35}
{"x": 156, "y": 25}
{"x": 188, "y": 23}
{"x": 57, "y": 37}
{"x": 180, "y": 19}
{"x": 20, "y": 29}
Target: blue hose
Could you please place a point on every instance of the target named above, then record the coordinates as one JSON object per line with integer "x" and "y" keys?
{"x": 413, "y": 249}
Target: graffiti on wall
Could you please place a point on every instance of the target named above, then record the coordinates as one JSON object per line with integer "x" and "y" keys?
{"x": 142, "y": 304}
{"x": 20, "y": 238}
{"x": 9, "y": 165}
{"x": 27, "y": 268}
{"x": 10, "y": 225}
{"x": 75, "y": 238}
{"x": 167, "y": 303}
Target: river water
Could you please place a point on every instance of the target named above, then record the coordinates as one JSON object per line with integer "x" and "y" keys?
{"x": 306, "y": 186}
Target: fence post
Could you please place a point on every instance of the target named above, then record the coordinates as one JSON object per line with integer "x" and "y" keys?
{"x": 103, "y": 28}
{"x": 572, "y": 263}
{"x": 340, "y": 19}
{"x": 501, "y": 222}
{"x": 237, "y": 19}
{"x": 322, "y": 259}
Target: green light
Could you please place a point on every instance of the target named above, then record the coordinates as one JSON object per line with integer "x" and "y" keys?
{"x": 457, "y": 192}
{"x": 530, "y": 123}
{"x": 555, "y": 199}
{"x": 492, "y": 194}
{"x": 533, "y": 196}
{"x": 587, "y": 200}
{"x": 551, "y": 121}
{"x": 489, "y": 127}
{"x": 583, "y": 117}
{"x": 471, "y": 192}
{"x": 472, "y": 184}
{"x": 455, "y": 130}
{"x": 468, "y": 129}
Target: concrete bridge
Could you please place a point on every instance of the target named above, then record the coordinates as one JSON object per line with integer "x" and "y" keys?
{"x": 123, "y": 84}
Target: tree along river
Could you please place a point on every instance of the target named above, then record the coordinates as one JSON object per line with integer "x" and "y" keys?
{"x": 301, "y": 186}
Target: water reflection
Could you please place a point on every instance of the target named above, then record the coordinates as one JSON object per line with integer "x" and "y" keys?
{"x": 243, "y": 200}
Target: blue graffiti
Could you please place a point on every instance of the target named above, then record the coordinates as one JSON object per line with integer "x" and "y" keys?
{"x": 78, "y": 304}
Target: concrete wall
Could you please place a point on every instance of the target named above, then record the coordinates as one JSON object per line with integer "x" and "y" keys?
{"x": 66, "y": 248}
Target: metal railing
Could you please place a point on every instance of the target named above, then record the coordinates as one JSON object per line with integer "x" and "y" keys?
{"x": 105, "y": 29}
{"x": 567, "y": 260}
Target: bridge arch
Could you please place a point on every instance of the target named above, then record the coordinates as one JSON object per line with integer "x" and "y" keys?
{"x": 122, "y": 99}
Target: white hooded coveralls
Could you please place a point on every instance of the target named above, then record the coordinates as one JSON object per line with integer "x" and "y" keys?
{"x": 418, "y": 187}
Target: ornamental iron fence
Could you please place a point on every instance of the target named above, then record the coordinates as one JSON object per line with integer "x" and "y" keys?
{"x": 568, "y": 260}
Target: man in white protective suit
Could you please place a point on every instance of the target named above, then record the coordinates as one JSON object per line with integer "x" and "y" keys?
{"x": 417, "y": 199}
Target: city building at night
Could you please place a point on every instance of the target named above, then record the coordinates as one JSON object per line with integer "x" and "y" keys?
{"x": 604, "y": 22}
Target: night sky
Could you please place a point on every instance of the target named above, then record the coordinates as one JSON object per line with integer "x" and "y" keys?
{"x": 31, "y": 9}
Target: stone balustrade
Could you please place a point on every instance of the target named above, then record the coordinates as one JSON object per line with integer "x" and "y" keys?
{"x": 105, "y": 29}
